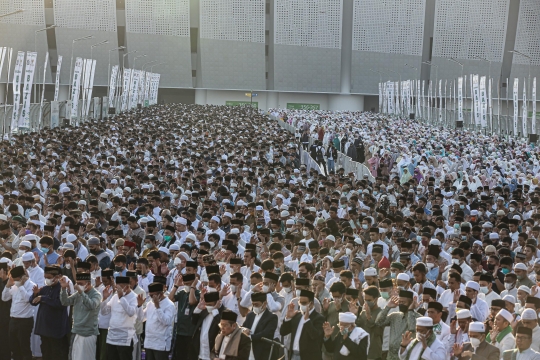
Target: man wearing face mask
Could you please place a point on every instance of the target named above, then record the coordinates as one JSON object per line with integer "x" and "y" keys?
{"x": 49, "y": 255}
{"x": 479, "y": 308}
{"x": 366, "y": 320}
{"x": 123, "y": 310}
{"x": 260, "y": 323}
{"x": 101, "y": 255}
{"x": 529, "y": 319}
{"x": 85, "y": 301}
{"x": 351, "y": 342}
{"x": 206, "y": 318}
{"x": 79, "y": 249}
{"x": 186, "y": 294}
{"x": 400, "y": 321}
{"x": 305, "y": 327}
{"x": 424, "y": 346}
{"x": 477, "y": 347}
{"x": 52, "y": 321}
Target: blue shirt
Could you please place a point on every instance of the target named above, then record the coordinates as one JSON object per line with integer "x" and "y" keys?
{"x": 51, "y": 259}
{"x": 52, "y": 319}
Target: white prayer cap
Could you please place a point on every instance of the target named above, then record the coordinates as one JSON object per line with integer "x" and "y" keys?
{"x": 82, "y": 202}
{"x": 284, "y": 213}
{"x": 174, "y": 247}
{"x": 474, "y": 212}
{"x": 478, "y": 242}
{"x": 506, "y": 315}
{"x": 289, "y": 222}
{"x": 71, "y": 238}
{"x": 424, "y": 321}
{"x": 228, "y": 214}
{"x": 477, "y": 327}
{"x": 525, "y": 288}
{"x": 347, "y": 317}
{"x": 29, "y": 237}
{"x": 435, "y": 242}
{"x": 487, "y": 224}
{"x": 32, "y": 213}
{"x": 184, "y": 198}
{"x": 163, "y": 249}
{"x": 473, "y": 285}
{"x": 3, "y": 217}
{"x": 114, "y": 181}
{"x": 7, "y": 261}
{"x": 234, "y": 231}
{"x": 510, "y": 298}
{"x": 370, "y": 272}
{"x": 463, "y": 314}
{"x": 191, "y": 237}
{"x": 259, "y": 208}
{"x": 181, "y": 221}
{"x": 68, "y": 246}
{"x": 493, "y": 236}
{"x": 358, "y": 240}
{"x": 331, "y": 238}
{"x": 29, "y": 256}
{"x": 529, "y": 314}
{"x": 404, "y": 277}
{"x": 312, "y": 209}
{"x": 216, "y": 219}
{"x": 520, "y": 266}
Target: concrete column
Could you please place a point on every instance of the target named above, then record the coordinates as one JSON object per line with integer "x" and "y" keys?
{"x": 63, "y": 92}
{"x": 272, "y": 99}
{"x": 200, "y": 96}
{"x": 346, "y": 46}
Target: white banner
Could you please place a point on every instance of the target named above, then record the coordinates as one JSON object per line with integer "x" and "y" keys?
{"x": 533, "y": 99}
{"x": 418, "y": 113}
{"x": 43, "y": 90}
{"x": 380, "y": 93}
{"x": 55, "y": 114}
{"x": 525, "y": 109}
{"x": 397, "y": 92}
{"x": 134, "y": 94}
{"x": 516, "y": 109}
{"x": 112, "y": 85}
{"x": 445, "y": 100}
{"x": 423, "y": 98}
{"x": 29, "y": 70}
{"x": 490, "y": 104}
{"x": 3, "y": 52}
{"x": 440, "y": 101}
{"x": 125, "y": 90}
{"x": 483, "y": 102}
{"x": 87, "y": 68}
{"x": 97, "y": 109}
{"x": 148, "y": 81}
{"x": 75, "y": 89}
{"x": 156, "y": 89}
{"x": 390, "y": 96}
{"x": 17, "y": 79}
{"x": 429, "y": 106}
{"x": 90, "y": 86}
{"x": 476, "y": 100}
{"x": 57, "y": 81}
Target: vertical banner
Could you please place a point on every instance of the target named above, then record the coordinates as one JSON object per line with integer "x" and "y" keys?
{"x": 43, "y": 90}
{"x": 29, "y": 70}
{"x": 57, "y": 81}
{"x": 440, "y": 100}
{"x": 76, "y": 87}
{"x": 17, "y": 78}
{"x": 390, "y": 97}
{"x": 148, "y": 81}
{"x": 135, "y": 89}
{"x": 125, "y": 88}
{"x": 87, "y": 69}
{"x": 423, "y": 97}
{"x": 525, "y": 109}
{"x": 429, "y": 101}
{"x": 398, "y": 108}
{"x": 384, "y": 103}
{"x": 472, "y": 98}
{"x": 156, "y": 89}
{"x": 112, "y": 85}
{"x": 380, "y": 96}
{"x": 516, "y": 110}
{"x": 104, "y": 107}
{"x": 533, "y": 99}
{"x": 476, "y": 100}
{"x": 490, "y": 104}
{"x": 483, "y": 102}
{"x": 96, "y": 114}
{"x": 55, "y": 114}
{"x": 90, "y": 86}
{"x": 3, "y": 52}
{"x": 445, "y": 101}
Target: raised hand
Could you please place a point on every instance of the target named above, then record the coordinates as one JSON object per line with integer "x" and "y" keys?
{"x": 35, "y": 289}
{"x": 458, "y": 349}
{"x": 406, "y": 338}
{"x": 453, "y": 328}
{"x": 457, "y": 294}
{"x": 178, "y": 280}
{"x": 353, "y": 308}
{"x": 393, "y": 303}
{"x": 291, "y": 312}
{"x": 202, "y": 304}
{"x": 63, "y": 282}
{"x": 140, "y": 300}
{"x": 226, "y": 290}
{"x": 326, "y": 304}
{"x": 328, "y": 329}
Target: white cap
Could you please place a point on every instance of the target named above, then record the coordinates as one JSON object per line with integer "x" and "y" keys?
{"x": 529, "y": 314}
{"x": 71, "y": 238}
{"x": 191, "y": 237}
{"x": 284, "y": 213}
{"x": 331, "y": 238}
{"x": 234, "y": 231}
{"x": 181, "y": 221}
{"x": 29, "y": 256}
{"x": 216, "y": 219}
{"x": 289, "y": 222}
{"x": 3, "y": 217}
{"x": 259, "y": 208}
{"x": 506, "y": 315}
{"x": 347, "y": 317}
{"x": 163, "y": 249}
{"x": 493, "y": 236}
{"x": 435, "y": 242}
{"x": 477, "y": 326}
{"x": 525, "y": 288}
{"x": 175, "y": 247}
{"x": 68, "y": 246}
{"x": 30, "y": 237}
{"x": 473, "y": 285}
{"x": 510, "y": 298}
{"x": 463, "y": 314}
{"x": 520, "y": 266}
{"x": 370, "y": 272}
{"x": 228, "y": 214}
{"x": 424, "y": 321}
{"x": 32, "y": 213}
{"x": 82, "y": 202}
{"x": 403, "y": 277}
{"x": 7, "y": 261}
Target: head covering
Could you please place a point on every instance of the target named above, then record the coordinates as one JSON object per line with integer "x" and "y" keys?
{"x": 347, "y": 317}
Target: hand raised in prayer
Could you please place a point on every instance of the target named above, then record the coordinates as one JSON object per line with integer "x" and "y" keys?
{"x": 226, "y": 290}
{"x": 353, "y": 308}
{"x": 291, "y": 312}
{"x": 493, "y": 333}
{"x": 406, "y": 338}
{"x": 328, "y": 329}
{"x": 36, "y": 300}
{"x": 178, "y": 280}
{"x": 98, "y": 282}
{"x": 257, "y": 288}
{"x": 36, "y": 289}
{"x": 202, "y": 304}
{"x": 222, "y": 270}
{"x": 534, "y": 290}
{"x": 140, "y": 300}
{"x": 367, "y": 310}
{"x": 131, "y": 266}
{"x": 393, "y": 303}
{"x": 458, "y": 349}
{"x": 457, "y": 294}
{"x": 326, "y": 304}
{"x": 414, "y": 304}
{"x": 119, "y": 291}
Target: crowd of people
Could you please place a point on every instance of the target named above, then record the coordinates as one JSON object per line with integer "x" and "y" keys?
{"x": 194, "y": 232}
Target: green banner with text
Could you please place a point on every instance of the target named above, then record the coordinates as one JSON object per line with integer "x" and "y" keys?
{"x": 298, "y": 106}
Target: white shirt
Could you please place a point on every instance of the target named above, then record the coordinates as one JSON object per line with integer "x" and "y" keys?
{"x": 224, "y": 344}
{"x": 435, "y": 352}
{"x": 123, "y": 316}
{"x": 159, "y": 324}
{"x": 296, "y": 342}
{"x": 479, "y": 310}
{"x": 253, "y": 328}
{"x": 528, "y": 355}
{"x": 37, "y": 275}
{"x": 204, "y": 352}
{"x": 20, "y": 297}
{"x": 230, "y": 302}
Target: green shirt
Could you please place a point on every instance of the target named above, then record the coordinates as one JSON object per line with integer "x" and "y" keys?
{"x": 375, "y": 332}
{"x": 85, "y": 311}
{"x": 399, "y": 324}
{"x": 184, "y": 327}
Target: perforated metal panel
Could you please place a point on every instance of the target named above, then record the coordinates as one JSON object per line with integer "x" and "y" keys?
{"x": 465, "y": 29}
{"x": 158, "y": 17}
{"x": 528, "y": 33}
{"x": 311, "y": 23}
{"x": 389, "y": 26}
{"x": 97, "y": 15}
{"x": 239, "y": 20}
{"x": 33, "y": 14}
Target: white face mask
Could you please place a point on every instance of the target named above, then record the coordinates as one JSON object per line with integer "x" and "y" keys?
{"x": 305, "y": 233}
{"x": 348, "y": 251}
{"x": 209, "y": 308}
{"x": 303, "y": 309}
{"x": 298, "y": 292}
{"x": 68, "y": 266}
{"x": 287, "y": 289}
{"x": 211, "y": 289}
{"x": 233, "y": 289}
{"x": 177, "y": 261}
{"x": 265, "y": 288}
{"x": 511, "y": 209}
{"x": 21, "y": 252}
{"x": 508, "y": 286}
{"x": 419, "y": 336}
{"x": 49, "y": 282}
{"x": 430, "y": 265}
{"x": 484, "y": 289}
{"x": 257, "y": 310}
{"x": 456, "y": 261}
{"x": 475, "y": 342}
{"x": 17, "y": 283}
